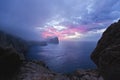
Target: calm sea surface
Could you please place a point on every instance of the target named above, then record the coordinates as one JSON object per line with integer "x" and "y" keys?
{"x": 66, "y": 56}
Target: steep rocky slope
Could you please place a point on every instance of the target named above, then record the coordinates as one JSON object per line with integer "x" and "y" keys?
{"x": 36, "y": 70}
{"x": 107, "y": 53}
{"x": 12, "y": 51}
{"x": 17, "y": 43}
{"x": 9, "y": 62}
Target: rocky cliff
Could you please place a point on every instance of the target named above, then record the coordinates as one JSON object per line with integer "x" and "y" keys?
{"x": 107, "y": 53}
{"x": 36, "y": 70}
{"x": 17, "y": 43}
{"x": 12, "y": 51}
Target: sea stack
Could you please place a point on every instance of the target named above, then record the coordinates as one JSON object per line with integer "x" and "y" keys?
{"x": 53, "y": 40}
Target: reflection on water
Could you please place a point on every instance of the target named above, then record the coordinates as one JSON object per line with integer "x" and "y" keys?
{"x": 66, "y": 56}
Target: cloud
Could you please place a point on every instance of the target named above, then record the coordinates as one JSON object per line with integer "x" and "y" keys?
{"x": 26, "y": 16}
{"x": 93, "y": 35}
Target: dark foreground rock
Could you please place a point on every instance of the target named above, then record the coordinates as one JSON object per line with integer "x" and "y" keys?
{"x": 12, "y": 51}
{"x": 9, "y": 62}
{"x": 107, "y": 53}
{"x": 91, "y": 74}
{"x": 36, "y": 70}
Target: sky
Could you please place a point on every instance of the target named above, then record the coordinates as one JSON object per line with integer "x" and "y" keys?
{"x": 66, "y": 19}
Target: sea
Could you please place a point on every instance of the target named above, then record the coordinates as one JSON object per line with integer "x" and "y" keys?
{"x": 65, "y": 57}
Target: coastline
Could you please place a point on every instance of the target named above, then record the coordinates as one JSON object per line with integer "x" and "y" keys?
{"x": 35, "y": 70}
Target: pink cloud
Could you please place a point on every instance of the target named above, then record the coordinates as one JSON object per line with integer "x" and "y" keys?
{"x": 52, "y": 32}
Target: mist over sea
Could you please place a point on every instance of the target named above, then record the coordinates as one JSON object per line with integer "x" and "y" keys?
{"x": 66, "y": 56}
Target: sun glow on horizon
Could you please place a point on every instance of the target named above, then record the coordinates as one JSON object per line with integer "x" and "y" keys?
{"x": 76, "y": 35}
{"x": 63, "y": 33}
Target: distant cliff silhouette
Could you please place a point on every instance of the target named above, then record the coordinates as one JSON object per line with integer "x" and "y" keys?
{"x": 12, "y": 51}
{"x": 53, "y": 40}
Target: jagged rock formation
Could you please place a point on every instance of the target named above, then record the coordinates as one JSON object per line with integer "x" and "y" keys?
{"x": 107, "y": 53}
{"x": 36, "y": 70}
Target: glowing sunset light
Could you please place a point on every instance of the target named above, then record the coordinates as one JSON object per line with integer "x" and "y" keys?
{"x": 62, "y": 33}
{"x": 76, "y": 35}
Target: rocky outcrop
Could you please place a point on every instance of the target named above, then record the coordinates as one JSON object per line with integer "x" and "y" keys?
{"x": 54, "y": 40}
{"x": 15, "y": 42}
{"x": 12, "y": 51}
{"x": 91, "y": 74}
{"x": 10, "y": 61}
{"x": 107, "y": 53}
{"x": 37, "y": 70}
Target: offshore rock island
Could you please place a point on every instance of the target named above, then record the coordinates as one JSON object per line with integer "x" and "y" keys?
{"x": 53, "y": 40}
{"x": 15, "y": 66}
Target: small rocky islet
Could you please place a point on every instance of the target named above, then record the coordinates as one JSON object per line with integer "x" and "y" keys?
{"x": 14, "y": 65}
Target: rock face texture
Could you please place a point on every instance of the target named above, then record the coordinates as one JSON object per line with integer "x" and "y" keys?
{"x": 107, "y": 53}
{"x": 17, "y": 43}
{"x": 9, "y": 62}
{"x": 36, "y": 70}
{"x": 85, "y": 75}
{"x": 12, "y": 51}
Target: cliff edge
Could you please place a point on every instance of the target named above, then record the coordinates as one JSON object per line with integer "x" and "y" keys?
{"x": 107, "y": 53}
{"x": 12, "y": 51}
